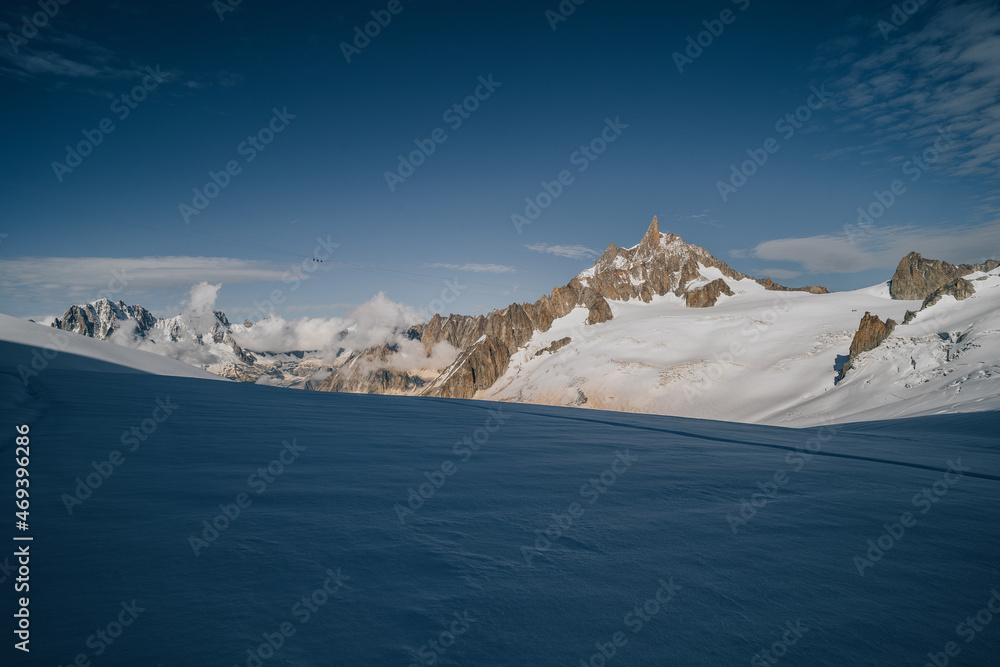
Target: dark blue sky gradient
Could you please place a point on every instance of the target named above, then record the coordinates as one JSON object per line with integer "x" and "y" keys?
{"x": 324, "y": 174}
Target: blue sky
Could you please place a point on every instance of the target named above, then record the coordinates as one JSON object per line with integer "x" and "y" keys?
{"x": 908, "y": 98}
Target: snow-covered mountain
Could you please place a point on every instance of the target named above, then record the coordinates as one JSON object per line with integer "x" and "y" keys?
{"x": 32, "y": 349}
{"x": 201, "y": 337}
{"x": 662, "y": 327}
{"x": 765, "y": 357}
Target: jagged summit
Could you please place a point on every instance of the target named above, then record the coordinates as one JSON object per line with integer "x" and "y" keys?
{"x": 652, "y": 236}
{"x": 101, "y": 318}
{"x": 659, "y": 264}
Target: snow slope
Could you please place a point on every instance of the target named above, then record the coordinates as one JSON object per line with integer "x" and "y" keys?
{"x": 60, "y": 350}
{"x": 536, "y": 547}
{"x": 764, "y": 357}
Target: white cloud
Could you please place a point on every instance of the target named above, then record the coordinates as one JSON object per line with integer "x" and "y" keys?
{"x": 945, "y": 74}
{"x": 780, "y": 274}
{"x": 379, "y": 321}
{"x": 477, "y": 268}
{"x": 882, "y": 248}
{"x": 276, "y": 334}
{"x": 79, "y": 279}
{"x": 570, "y": 251}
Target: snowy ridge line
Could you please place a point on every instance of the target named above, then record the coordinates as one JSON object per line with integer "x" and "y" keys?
{"x": 698, "y": 436}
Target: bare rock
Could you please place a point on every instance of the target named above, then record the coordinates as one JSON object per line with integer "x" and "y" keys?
{"x": 960, "y": 288}
{"x": 555, "y": 346}
{"x": 600, "y": 311}
{"x": 707, "y": 295}
{"x": 769, "y": 284}
{"x": 917, "y": 278}
{"x": 476, "y": 368}
{"x": 870, "y": 334}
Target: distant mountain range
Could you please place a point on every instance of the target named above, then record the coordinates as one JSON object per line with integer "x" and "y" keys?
{"x": 661, "y": 327}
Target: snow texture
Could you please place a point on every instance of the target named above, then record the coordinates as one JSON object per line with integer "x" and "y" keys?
{"x": 548, "y": 526}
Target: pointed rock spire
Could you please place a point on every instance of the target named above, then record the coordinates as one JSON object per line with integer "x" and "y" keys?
{"x": 651, "y": 239}
{"x": 654, "y": 230}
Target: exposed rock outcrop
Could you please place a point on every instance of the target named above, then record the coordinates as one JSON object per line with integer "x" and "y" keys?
{"x": 769, "y": 284}
{"x": 870, "y": 334}
{"x": 960, "y": 288}
{"x": 707, "y": 295}
{"x": 916, "y": 277}
{"x": 600, "y": 311}
{"x": 555, "y": 346}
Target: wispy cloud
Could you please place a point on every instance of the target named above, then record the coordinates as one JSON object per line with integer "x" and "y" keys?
{"x": 74, "y": 278}
{"x": 703, "y": 218}
{"x": 780, "y": 274}
{"x": 881, "y": 248}
{"x": 943, "y": 74}
{"x": 570, "y": 251}
{"x": 476, "y": 268}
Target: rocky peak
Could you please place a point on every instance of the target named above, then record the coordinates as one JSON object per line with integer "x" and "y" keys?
{"x": 916, "y": 277}
{"x": 659, "y": 264}
{"x": 870, "y": 334}
{"x": 652, "y": 238}
{"x": 99, "y": 319}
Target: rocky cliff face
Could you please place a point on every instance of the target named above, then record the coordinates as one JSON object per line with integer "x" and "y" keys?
{"x": 103, "y": 317}
{"x": 870, "y": 334}
{"x": 708, "y": 295}
{"x": 916, "y": 277}
{"x": 659, "y": 264}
